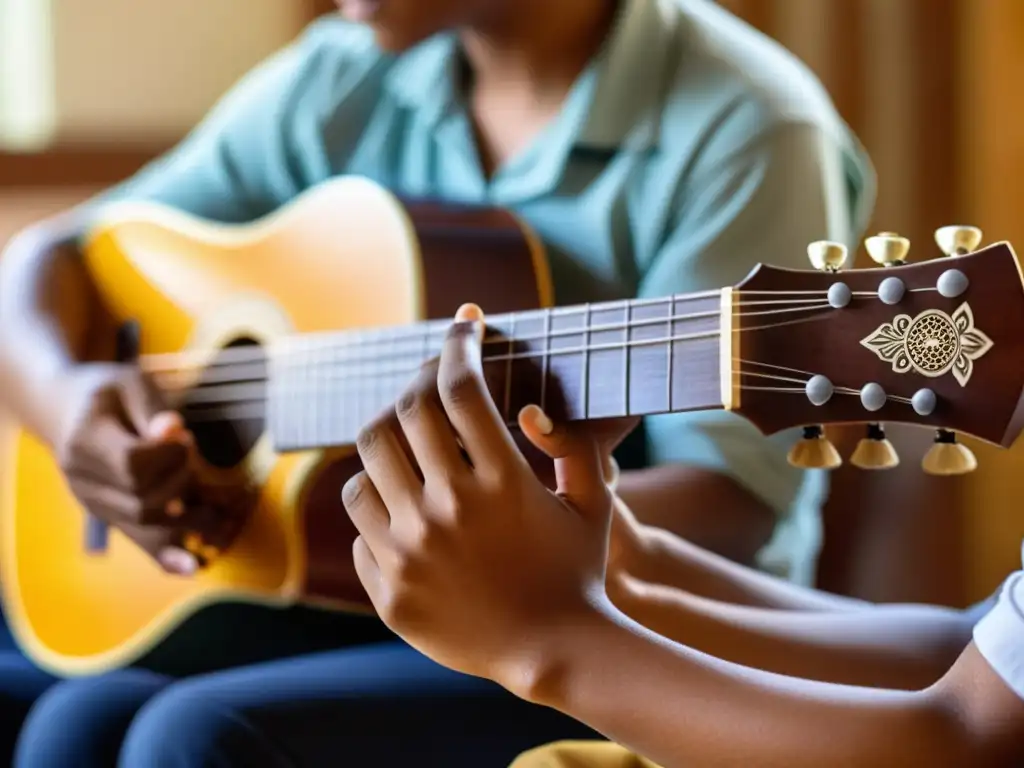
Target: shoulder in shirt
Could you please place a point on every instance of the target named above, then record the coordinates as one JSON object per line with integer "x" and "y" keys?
{"x": 723, "y": 62}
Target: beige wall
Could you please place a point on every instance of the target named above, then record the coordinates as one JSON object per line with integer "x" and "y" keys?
{"x": 145, "y": 69}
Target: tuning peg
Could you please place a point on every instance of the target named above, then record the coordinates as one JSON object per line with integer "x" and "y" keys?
{"x": 827, "y": 256}
{"x": 874, "y": 451}
{"x": 956, "y": 240}
{"x": 814, "y": 451}
{"x": 887, "y": 249}
{"x": 948, "y": 457}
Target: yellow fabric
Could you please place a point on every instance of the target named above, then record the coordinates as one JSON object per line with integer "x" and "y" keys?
{"x": 581, "y": 754}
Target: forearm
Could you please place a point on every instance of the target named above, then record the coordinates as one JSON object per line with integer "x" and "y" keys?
{"x": 680, "y": 707}
{"x": 666, "y": 558}
{"x": 718, "y": 515}
{"x": 898, "y": 646}
{"x": 47, "y": 308}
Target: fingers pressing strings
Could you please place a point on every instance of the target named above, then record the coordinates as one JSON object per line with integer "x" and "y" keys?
{"x": 466, "y": 399}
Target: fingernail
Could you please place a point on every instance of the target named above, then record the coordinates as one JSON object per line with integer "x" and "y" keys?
{"x": 178, "y": 561}
{"x": 539, "y": 419}
{"x": 165, "y": 425}
{"x": 469, "y": 313}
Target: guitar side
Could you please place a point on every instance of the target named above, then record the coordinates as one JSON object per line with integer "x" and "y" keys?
{"x": 345, "y": 255}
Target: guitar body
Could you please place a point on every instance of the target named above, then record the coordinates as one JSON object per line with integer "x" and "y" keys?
{"x": 345, "y": 255}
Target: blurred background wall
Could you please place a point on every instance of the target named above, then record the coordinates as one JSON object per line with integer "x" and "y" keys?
{"x": 932, "y": 88}
{"x": 91, "y": 89}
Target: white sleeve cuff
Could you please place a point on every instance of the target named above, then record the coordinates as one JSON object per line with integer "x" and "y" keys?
{"x": 999, "y": 636}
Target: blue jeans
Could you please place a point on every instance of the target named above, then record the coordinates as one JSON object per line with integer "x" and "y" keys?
{"x": 21, "y": 683}
{"x": 382, "y": 705}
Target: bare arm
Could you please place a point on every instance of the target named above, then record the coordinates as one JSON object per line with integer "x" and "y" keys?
{"x": 657, "y": 556}
{"x": 721, "y": 516}
{"x": 49, "y": 310}
{"x": 681, "y": 707}
{"x": 531, "y": 573}
{"x": 894, "y": 646}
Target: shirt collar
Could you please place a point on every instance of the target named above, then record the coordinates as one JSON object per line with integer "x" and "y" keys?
{"x": 616, "y": 101}
{"x": 425, "y": 77}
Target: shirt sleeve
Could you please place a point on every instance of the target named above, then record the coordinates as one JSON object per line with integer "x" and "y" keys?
{"x": 999, "y": 636}
{"x": 240, "y": 162}
{"x": 757, "y": 194}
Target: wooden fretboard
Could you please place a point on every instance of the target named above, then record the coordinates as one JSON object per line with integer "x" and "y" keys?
{"x": 623, "y": 358}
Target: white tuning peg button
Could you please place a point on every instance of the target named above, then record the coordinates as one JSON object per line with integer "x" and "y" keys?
{"x": 923, "y": 402}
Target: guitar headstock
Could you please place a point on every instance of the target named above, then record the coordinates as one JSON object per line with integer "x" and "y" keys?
{"x": 937, "y": 344}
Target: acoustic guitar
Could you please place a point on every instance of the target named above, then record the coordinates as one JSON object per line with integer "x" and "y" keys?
{"x": 278, "y": 340}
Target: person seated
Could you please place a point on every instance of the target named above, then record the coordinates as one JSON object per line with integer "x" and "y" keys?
{"x": 448, "y": 508}
{"x": 658, "y": 147}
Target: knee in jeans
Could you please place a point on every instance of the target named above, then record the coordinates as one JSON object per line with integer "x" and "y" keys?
{"x": 187, "y": 726}
{"x": 84, "y": 718}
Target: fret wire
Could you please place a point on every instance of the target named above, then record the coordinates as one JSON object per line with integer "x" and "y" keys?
{"x": 626, "y": 355}
{"x": 546, "y": 359}
{"x": 508, "y": 366}
{"x": 670, "y": 329}
{"x": 585, "y": 375}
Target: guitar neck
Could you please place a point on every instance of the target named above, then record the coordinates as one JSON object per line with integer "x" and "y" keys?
{"x": 614, "y": 359}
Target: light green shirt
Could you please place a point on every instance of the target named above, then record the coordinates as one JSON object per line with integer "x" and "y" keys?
{"x": 690, "y": 149}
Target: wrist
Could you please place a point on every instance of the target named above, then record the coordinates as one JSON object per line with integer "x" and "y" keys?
{"x": 62, "y": 388}
{"x": 633, "y": 545}
{"x": 566, "y": 653}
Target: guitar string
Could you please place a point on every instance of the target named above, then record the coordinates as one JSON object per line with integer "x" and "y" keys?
{"x": 417, "y": 353}
{"x": 254, "y": 410}
{"x": 341, "y": 371}
{"x": 310, "y": 343}
{"x": 321, "y": 341}
{"x": 210, "y": 404}
{"x": 360, "y": 337}
{"x": 235, "y": 374}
